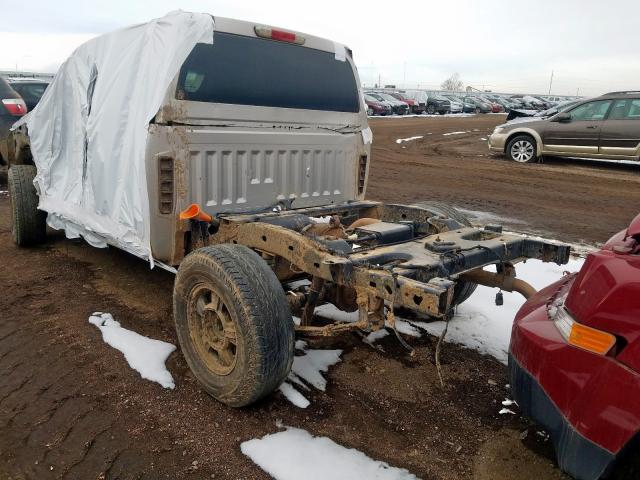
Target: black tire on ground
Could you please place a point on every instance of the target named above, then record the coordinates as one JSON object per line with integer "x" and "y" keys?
{"x": 227, "y": 293}
{"x": 28, "y": 224}
{"x": 463, "y": 290}
{"x": 522, "y": 149}
{"x": 431, "y": 110}
{"x": 477, "y": 110}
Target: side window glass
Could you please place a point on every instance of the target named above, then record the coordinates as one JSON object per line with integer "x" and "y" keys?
{"x": 591, "y": 111}
{"x": 627, "y": 109}
{"x": 634, "y": 110}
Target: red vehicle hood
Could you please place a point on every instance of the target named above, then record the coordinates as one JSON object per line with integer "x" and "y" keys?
{"x": 606, "y": 293}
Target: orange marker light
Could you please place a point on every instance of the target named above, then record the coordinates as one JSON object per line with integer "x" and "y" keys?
{"x": 591, "y": 339}
{"x": 194, "y": 212}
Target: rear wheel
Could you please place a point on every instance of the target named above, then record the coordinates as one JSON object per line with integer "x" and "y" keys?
{"x": 233, "y": 323}
{"x": 463, "y": 290}
{"x": 477, "y": 110}
{"x": 431, "y": 109}
{"x": 522, "y": 149}
{"x": 28, "y": 224}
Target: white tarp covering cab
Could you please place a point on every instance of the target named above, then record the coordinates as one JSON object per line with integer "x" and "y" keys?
{"x": 89, "y": 131}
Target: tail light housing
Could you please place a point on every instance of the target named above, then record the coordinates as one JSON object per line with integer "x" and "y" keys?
{"x": 15, "y": 106}
{"x": 279, "y": 35}
{"x": 362, "y": 174}
{"x": 165, "y": 184}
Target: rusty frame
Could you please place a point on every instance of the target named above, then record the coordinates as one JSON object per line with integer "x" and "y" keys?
{"x": 418, "y": 274}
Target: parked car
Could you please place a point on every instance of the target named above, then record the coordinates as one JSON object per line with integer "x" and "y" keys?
{"x": 574, "y": 358}
{"x": 456, "y": 107}
{"x": 467, "y": 107}
{"x": 419, "y": 98}
{"x": 399, "y": 107}
{"x": 495, "y": 106}
{"x": 529, "y": 102}
{"x": 12, "y": 107}
{"x": 526, "y": 114}
{"x": 410, "y": 102}
{"x": 479, "y": 105}
{"x": 30, "y": 89}
{"x": 504, "y": 104}
{"x": 436, "y": 102}
{"x": 378, "y": 107}
{"x": 607, "y": 127}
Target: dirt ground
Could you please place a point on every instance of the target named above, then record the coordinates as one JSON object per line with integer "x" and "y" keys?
{"x": 573, "y": 200}
{"x": 70, "y": 407}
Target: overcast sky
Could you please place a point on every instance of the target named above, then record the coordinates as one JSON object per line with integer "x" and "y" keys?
{"x": 503, "y": 45}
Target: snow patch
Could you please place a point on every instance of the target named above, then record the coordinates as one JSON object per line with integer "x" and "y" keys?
{"x": 478, "y": 323}
{"x": 294, "y": 454}
{"x": 409, "y": 139}
{"x": 143, "y": 354}
{"x": 453, "y": 133}
{"x": 307, "y": 369}
{"x": 294, "y": 396}
{"x": 482, "y": 325}
{"x": 479, "y": 217}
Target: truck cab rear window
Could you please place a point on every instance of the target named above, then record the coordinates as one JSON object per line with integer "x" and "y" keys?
{"x": 254, "y": 71}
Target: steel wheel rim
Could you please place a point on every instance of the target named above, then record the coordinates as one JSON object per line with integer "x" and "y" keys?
{"x": 212, "y": 329}
{"x": 522, "y": 151}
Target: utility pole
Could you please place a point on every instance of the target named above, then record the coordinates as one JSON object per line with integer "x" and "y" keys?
{"x": 550, "y": 82}
{"x": 379, "y": 83}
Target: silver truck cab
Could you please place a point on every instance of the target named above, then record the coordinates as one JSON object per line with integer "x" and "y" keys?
{"x": 259, "y": 118}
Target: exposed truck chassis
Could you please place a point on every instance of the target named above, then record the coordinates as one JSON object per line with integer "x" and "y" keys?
{"x": 419, "y": 274}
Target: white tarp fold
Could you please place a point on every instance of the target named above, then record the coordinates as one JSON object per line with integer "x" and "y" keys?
{"x": 89, "y": 131}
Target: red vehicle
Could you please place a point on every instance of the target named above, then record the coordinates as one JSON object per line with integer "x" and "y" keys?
{"x": 496, "y": 108}
{"x": 376, "y": 106}
{"x": 412, "y": 104}
{"x": 574, "y": 358}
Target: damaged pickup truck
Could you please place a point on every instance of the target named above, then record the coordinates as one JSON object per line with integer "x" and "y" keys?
{"x": 239, "y": 153}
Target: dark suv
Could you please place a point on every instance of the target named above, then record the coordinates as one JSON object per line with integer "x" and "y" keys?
{"x": 437, "y": 103}
{"x": 12, "y": 107}
{"x": 606, "y": 127}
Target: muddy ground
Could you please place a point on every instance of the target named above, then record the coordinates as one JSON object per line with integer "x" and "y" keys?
{"x": 574, "y": 200}
{"x": 70, "y": 407}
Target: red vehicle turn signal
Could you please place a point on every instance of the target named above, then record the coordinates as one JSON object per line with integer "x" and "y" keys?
{"x": 575, "y": 333}
{"x": 591, "y": 339}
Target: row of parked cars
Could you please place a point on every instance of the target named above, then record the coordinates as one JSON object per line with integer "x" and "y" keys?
{"x": 402, "y": 102}
{"x": 17, "y": 96}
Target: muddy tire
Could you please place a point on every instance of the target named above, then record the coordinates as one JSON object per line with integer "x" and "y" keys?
{"x": 28, "y": 224}
{"x": 463, "y": 290}
{"x": 233, "y": 323}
